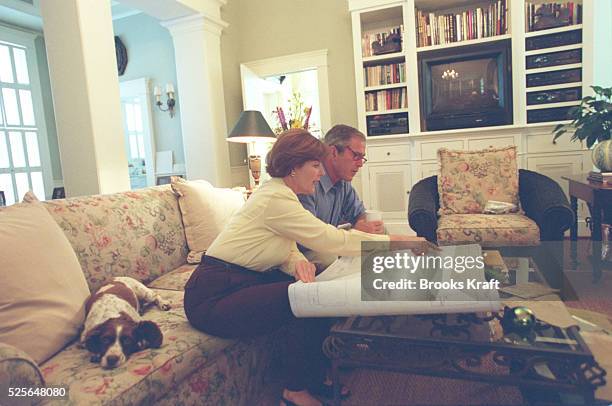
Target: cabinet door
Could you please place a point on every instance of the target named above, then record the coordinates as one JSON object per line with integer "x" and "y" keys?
{"x": 557, "y": 166}
{"x": 389, "y": 187}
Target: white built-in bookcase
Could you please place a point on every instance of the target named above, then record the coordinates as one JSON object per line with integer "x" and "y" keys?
{"x": 398, "y": 161}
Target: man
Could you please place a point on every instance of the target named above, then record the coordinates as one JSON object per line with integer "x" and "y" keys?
{"x": 335, "y": 200}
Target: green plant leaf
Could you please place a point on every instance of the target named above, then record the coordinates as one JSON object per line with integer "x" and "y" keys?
{"x": 558, "y": 127}
{"x": 591, "y": 140}
{"x": 592, "y": 119}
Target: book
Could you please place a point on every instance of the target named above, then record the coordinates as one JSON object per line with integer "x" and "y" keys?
{"x": 600, "y": 177}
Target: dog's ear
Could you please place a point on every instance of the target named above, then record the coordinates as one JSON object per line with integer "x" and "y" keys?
{"x": 93, "y": 341}
{"x": 148, "y": 335}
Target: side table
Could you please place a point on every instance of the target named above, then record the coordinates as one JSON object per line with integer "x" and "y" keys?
{"x": 599, "y": 198}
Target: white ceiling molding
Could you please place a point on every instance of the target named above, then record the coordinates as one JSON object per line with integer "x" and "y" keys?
{"x": 195, "y": 23}
{"x": 161, "y": 9}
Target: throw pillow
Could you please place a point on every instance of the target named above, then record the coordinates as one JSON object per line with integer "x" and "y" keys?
{"x": 205, "y": 210}
{"x": 469, "y": 179}
{"x": 42, "y": 288}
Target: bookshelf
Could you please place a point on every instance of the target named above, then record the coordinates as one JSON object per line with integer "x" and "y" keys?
{"x": 400, "y": 149}
{"x": 383, "y": 83}
{"x": 472, "y": 22}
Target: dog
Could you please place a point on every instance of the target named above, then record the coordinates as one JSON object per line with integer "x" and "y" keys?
{"x": 113, "y": 328}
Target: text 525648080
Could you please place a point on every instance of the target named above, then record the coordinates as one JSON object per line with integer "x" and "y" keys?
{"x": 49, "y": 392}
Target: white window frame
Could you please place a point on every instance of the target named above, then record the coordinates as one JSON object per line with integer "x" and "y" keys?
{"x": 26, "y": 39}
{"x": 141, "y": 88}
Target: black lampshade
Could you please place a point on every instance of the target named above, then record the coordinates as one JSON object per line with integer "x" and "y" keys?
{"x": 251, "y": 127}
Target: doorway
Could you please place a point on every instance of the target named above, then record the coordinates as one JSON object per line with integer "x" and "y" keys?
{"x": 138, "y": 129}
{"x": 24, "y": 152}
{"x": 275, "y": 82}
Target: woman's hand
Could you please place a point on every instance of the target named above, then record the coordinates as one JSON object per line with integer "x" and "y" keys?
{"x": 418, "y": 245}
{"x": 305, "y": 271}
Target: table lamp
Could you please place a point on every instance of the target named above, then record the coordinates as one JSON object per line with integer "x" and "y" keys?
{"x": 252, "y": 128}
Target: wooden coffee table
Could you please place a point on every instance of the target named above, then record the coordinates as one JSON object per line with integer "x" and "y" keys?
{"x": 473, "y": 347}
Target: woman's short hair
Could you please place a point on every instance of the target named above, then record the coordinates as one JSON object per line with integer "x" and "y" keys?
{"x": 292, "y": 149}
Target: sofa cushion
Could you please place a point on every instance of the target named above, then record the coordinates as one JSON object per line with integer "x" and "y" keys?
{"x": 469, "y": 179}
{"x": 175, "y": 279}
{"x": 137, "y": 233}
{"x": 42, "y": 290}
{"x": 147, "y": 375}
{"x": 489, "y": 230}
{"x": 205, "y": 210}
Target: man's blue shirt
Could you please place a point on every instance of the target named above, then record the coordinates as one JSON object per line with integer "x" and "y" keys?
{"x": 333, "y": 204}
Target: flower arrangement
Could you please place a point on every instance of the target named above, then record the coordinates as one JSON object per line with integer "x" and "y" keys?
{"x": 299, "y": 115}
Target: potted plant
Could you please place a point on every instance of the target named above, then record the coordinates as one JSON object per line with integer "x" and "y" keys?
{"x": 592, "y": 121}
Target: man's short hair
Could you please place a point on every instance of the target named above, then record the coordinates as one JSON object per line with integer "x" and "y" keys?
{"x": 340, "y": 135}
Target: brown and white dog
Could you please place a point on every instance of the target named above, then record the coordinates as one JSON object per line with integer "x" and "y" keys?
{"x": 113, "y": 327}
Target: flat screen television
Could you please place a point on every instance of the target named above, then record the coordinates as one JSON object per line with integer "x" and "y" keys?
{"x": 468, "y": 86}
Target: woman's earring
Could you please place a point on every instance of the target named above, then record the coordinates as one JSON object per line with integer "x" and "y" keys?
{"x": 292, "y": 173}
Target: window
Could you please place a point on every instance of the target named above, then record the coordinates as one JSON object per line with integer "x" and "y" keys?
{"x": 139, "y": 139}
{"x": 134, "y": 128}
{"x": 21, "y": 163}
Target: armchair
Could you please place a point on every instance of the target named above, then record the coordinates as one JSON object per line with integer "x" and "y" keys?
{"x": 543, "y": 202}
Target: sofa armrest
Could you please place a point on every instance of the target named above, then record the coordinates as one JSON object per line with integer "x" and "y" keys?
{"x": 423, "y": 205}
{"x": 544, "y": 202}
{"x": 17, "y": 370}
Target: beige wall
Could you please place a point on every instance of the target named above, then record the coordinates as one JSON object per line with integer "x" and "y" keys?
{"x": 269, "y": 28}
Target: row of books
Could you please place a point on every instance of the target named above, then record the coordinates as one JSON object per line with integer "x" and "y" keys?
{"x": 384, "y": 74}
{"x": 477, "y": 23}
{"x": 382, "y": 100}
{"x": 381, "y": 38}
{"x": 600, "y": 177}
{"x": 549, "y": 15}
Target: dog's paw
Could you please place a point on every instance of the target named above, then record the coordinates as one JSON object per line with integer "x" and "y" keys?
{"x": 164, "y": 305}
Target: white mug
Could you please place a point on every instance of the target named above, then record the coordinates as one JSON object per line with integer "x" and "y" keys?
{"x": 373, "y": 215}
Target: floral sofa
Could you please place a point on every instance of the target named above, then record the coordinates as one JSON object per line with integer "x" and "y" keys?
{"x": 140, "y": 234}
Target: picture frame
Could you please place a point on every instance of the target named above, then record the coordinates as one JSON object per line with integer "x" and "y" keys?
{"x": 166, "y": 179}
{"x": 58, "y": 193}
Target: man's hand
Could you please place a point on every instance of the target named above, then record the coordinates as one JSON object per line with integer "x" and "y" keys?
{"x": 305, "y": 271}
{"x": 418, "y": 245}
{"x": 372, "y": 227}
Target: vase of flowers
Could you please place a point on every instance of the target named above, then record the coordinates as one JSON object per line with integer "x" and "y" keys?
{"x": 299, "y": 115}
{"x": 592, "y": 121}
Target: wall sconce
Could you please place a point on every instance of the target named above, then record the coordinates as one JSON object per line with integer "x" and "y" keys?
{"x": 170, "y": 103}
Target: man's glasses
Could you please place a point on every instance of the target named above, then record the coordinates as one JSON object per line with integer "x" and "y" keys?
{"x": 356, "y": 155}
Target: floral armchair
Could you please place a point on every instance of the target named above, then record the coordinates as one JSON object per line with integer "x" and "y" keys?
{"x": 449, "y": 208}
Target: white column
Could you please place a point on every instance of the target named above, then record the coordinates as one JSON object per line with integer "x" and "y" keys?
{"x": 197, "y": 50}
{"x": 83, "y": 70}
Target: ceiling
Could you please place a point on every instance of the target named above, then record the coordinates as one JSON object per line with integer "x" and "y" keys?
{"x": 26, "y": 13}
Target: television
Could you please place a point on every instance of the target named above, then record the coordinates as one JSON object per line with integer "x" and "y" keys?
{"x": 467, "y": 86}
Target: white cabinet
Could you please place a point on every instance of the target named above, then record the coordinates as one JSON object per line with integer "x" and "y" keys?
{"x": 389, "y": 152}
{"x": 388, "y": 91}
{"x": 389, "y": 187}
{"x": 557, "y": 166}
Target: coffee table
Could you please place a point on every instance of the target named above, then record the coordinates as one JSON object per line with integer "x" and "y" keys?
{"x": 471, "y": 347}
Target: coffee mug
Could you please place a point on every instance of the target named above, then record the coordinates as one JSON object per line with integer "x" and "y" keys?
{"x": 373, "y": 215}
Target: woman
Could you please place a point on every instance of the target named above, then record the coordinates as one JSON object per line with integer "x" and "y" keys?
{"x": 240, "y": 287}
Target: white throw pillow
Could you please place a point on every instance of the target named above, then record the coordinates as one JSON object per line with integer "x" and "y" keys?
{"x": 205, "y": 210}
{"x": 42, "y": 287}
